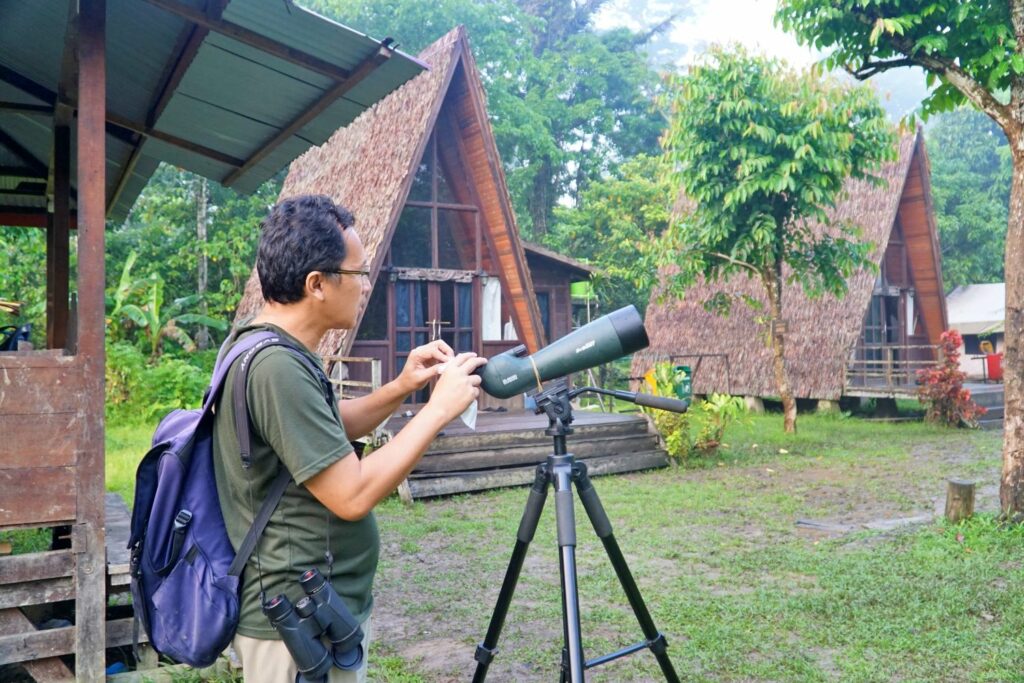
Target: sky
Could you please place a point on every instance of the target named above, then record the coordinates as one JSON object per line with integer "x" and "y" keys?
{"x": 702, "y": 23}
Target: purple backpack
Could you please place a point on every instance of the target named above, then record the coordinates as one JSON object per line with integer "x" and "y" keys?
{"x": 184, "y": 571}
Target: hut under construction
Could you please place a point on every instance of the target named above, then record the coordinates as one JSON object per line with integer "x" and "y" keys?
{"x": 869, "y": 343}
{"x": 420, "y": 172}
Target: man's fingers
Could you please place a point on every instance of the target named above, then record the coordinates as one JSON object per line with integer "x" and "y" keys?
{"x": 462, "y": 358}
{"x": 445, "y": 349}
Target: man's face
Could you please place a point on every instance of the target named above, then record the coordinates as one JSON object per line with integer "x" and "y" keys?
{"x": 351, "y": 290}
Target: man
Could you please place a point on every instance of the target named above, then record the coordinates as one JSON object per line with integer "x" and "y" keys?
{"x": 314, "y": 277}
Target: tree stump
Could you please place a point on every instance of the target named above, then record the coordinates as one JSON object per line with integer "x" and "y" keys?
{"x": 959, "y": 500}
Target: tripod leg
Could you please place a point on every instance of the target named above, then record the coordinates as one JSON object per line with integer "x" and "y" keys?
{"x": 603, "y": 526}
{"x": 527, "y": 527}
{"x": 565, "y": 517}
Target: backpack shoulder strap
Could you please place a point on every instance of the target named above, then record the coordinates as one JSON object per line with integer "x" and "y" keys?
{"x": 243, "y": 430}
{"x": 243, "y": 424}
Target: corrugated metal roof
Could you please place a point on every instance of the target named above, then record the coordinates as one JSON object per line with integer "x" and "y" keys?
{"x": 232, "y": 104}
{"x": 977, "y": 309}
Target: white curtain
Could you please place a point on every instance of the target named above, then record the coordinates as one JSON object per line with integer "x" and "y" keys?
{"x": 491, "y": 308}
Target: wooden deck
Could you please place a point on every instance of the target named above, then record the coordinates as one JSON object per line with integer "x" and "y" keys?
{"x": 506, "y": 447}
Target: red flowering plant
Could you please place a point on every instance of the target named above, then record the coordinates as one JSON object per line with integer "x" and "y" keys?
{"x": 942, "y": 387}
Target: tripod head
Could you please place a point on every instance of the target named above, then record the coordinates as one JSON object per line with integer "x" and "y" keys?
{"x": 555, "y": 401}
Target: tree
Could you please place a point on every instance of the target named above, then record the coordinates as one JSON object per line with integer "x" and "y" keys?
{"x": 23, "y": 278}
{"x": 763, "y": 152}
{"x": 162, "y": 230}
{"x": 973, "y": 52}
{"x": 566, "y": 103}
{"x": 970, "y": 163}
{"x": 614, "y": 227}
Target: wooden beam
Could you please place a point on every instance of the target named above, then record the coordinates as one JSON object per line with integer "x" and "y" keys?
{"x": 365, "y": 68}
{"x": 173, "y": 140}
{"x": 88, "y": 540}
{"x": 27, "y": 217}
{"x": 118, "y": 126}
{"x": 27, "y": 85}
{"x": 46, "y": 669}
{"x": 20, "y": 172}
{"x": 22, "y": 108}
{"x": 24, "y": 154}
{"x": 57, "y": 242}
{"x": 253, "y": 39}
{"x": 189, "y": 42}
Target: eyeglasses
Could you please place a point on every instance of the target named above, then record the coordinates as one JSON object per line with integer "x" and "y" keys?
{"x": 343, "y": 271}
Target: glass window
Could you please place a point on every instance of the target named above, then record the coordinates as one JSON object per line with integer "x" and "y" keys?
{"x": 402, "y": 304}
{"x": 544, "y": 304}
{"x": 421, "y": 190}
{"x": 411, "y": 246}
{"x": 456, "y": 236}
{"x": 444, "y": 189}
{"x": 375, "y": 319}
{"x": 465, "y": 294}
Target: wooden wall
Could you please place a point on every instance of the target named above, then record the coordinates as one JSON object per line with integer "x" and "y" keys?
{"x": 917, "y": 220}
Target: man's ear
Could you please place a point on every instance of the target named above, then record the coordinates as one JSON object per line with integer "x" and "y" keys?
{"x": 315, "y": 281}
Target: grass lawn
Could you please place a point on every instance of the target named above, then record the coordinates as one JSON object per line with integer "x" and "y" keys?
{"x": 741, "y": 591}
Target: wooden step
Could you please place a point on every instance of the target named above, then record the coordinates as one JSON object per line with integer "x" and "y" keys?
{"x": 479, "y": 480}
{"x": 533, "y": 453}
{"x": 464, "y": 440}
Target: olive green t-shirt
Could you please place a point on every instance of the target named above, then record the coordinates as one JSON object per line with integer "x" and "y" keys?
{"x": 293, "y": 425}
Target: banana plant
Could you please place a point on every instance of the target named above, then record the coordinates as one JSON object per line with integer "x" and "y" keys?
{"x": 117, "y": 299}
{"x": 157, "y": 324}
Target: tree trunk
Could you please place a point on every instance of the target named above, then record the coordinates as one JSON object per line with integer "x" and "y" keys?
{"x": 540, "y": 200}
{"x": 778, "y": 338}
{"x": 202, "y": 200}
{"x": 1011, "y": 490}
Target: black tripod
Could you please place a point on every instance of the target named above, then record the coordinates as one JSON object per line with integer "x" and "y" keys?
{"x": 562, "y": 471}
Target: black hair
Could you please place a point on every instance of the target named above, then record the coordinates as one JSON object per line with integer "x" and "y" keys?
{"x": 298, "y": 236}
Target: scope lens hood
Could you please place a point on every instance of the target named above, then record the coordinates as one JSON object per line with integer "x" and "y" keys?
{"x": 629, "y": 326}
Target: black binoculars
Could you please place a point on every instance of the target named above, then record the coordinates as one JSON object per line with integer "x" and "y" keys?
{"x": 320, "y": 613}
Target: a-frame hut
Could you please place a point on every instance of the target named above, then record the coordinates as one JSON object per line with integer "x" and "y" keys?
{"x": 869, "y": 343}
{"x": 420, "y": 172}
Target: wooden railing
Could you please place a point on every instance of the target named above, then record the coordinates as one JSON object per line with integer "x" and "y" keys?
{"x": 378, "y": 435}
{"x": 888, "y": 368}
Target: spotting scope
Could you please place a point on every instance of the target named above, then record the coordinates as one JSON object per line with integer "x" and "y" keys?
{"x": 619, "y": 333}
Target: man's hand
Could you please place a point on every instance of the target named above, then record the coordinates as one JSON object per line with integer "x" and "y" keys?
{"x": 421, "y": 365}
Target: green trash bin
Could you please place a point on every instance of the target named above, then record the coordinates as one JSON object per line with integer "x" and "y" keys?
{"x": 682, "y": 382}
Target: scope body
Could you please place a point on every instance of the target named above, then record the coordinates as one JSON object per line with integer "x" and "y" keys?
{"x": 612, "y": 336}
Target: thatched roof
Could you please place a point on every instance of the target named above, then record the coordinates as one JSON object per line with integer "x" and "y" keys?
{"x": 731, "y": 354}
{"x": 368, "y": 167}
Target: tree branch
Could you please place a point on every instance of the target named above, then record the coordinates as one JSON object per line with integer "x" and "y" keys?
{"x": 869, "y": 69}
{"x": 953, "y": 73}
{"x": 736, "y": 262}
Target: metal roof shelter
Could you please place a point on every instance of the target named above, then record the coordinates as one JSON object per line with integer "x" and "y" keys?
{"x": 230, "y": 90}
{"x": 978, "y": 309}
{"x": 93, "y": 95}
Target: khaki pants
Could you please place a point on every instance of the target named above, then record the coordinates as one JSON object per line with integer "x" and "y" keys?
{"x": 268, "y": 661}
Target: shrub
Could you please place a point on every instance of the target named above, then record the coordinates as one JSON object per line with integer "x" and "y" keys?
{"x": 140, "y": 391}
{"x": 718, "y": 411}
{"x": 942, "y": 387}
{"x": 673, "y": 427}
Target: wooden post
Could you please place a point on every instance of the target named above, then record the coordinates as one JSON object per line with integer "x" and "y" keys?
{"x": 57, "y": 254}
{"x": 959, "y": 500}
{"x": 87, "y": 535}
